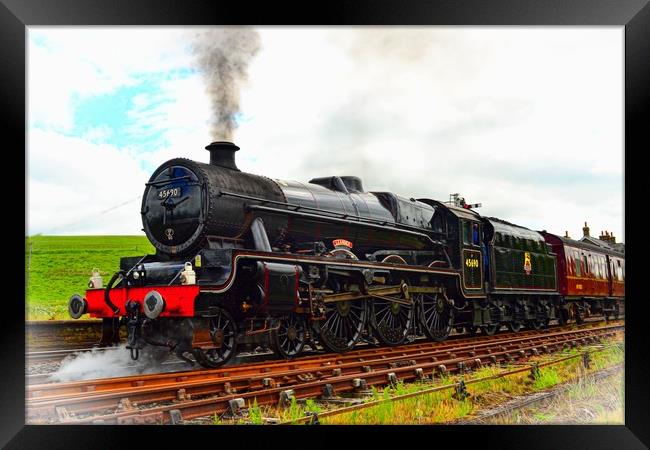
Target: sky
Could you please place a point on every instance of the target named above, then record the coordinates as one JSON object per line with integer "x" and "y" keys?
{"x": 527, "y": 121}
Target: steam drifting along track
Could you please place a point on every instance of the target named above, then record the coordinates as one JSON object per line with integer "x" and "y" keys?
{"x": 201, "y": 393}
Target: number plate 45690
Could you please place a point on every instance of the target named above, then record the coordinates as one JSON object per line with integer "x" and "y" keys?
{"x": 172, "y": 192}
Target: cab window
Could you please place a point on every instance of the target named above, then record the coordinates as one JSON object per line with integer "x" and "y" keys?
{"x": 467, "y": 232}
{"x": 476, "y": 234}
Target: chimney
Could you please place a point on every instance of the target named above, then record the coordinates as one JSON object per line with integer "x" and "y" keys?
{"x": 612, "y": 239}
{"x": 223, "y": 154}
{"x": 585, "y": 230}
{"x": 566, "y": 234}
{"x": 604, "y": 236}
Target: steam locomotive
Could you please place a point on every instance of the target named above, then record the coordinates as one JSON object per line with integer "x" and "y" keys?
{"x": 244, "y": 261}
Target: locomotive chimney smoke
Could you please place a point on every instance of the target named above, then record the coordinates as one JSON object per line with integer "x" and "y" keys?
{"x": 223, "y": 55}
{"x": 223, "y": 154}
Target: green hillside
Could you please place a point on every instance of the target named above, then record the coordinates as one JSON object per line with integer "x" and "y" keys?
{"x": 58, "y": 266}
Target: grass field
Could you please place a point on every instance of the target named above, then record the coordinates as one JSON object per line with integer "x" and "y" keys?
{"x": 58, "y": 266}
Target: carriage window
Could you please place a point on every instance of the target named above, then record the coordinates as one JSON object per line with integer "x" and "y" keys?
{"x": 576, "y": 261}
{"x": 603, "y": 273}
{"x": 476, "y": 235}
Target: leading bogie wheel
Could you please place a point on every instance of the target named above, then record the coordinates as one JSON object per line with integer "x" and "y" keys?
{"x": 223, "y": 334}
{"x": 288, "y": 340}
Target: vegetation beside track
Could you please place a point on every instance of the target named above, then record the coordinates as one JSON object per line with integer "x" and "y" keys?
{"x": 58, "y": 266}
{"x": 441, "y": 407}
{"x": 585, "y": 401}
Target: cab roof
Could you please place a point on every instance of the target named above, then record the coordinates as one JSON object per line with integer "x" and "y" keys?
{"x": 461, "y": 213}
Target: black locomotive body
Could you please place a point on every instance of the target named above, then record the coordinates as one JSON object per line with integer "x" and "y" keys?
{"x": 244, "y": 260}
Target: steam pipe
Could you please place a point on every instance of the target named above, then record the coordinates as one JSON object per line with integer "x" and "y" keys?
{"x": 109, "y": 286}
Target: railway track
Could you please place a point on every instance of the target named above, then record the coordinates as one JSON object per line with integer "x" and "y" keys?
{"x": 53, "y": 357}
{"x": 54, "y": 340}
{"x": 164, "y": 398}
{"x": 249, "y": 365}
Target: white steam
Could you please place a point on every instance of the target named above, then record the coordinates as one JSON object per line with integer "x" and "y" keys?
{"x": 108, "y": 363}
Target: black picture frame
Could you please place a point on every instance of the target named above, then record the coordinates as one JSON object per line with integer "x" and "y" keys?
{"x": 634, "y": 15}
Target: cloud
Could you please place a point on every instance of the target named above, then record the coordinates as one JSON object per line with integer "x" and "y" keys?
{"x": 526, "y": 121}
{"x": 72, "y": 181}
{"x": 66, "y": 65}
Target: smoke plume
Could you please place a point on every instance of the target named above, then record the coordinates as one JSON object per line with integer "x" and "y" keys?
{"x": 223, "y": 56}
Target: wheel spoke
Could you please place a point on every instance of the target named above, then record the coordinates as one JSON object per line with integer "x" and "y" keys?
{"x": 437, "y": 324}
{"x": 341, "y": 329}
{"x": 392, "y": 322}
